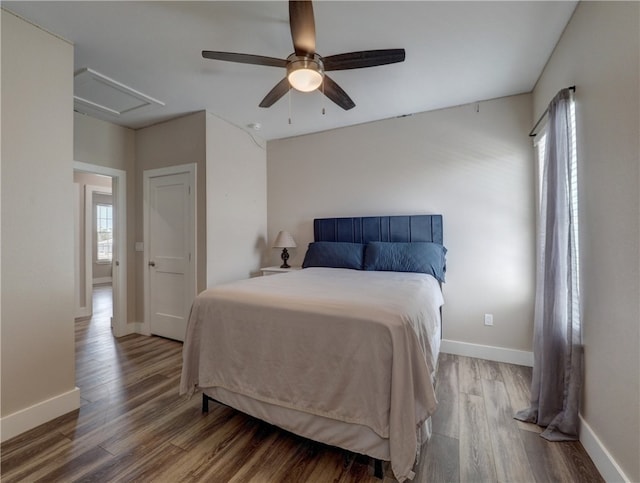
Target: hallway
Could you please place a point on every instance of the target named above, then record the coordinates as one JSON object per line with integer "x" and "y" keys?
{"x": 95, "y": 344}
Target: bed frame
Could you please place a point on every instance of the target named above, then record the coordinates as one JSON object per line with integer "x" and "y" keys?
{"x": 412, "y": 228}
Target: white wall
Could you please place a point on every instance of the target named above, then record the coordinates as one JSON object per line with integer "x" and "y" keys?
{"x": 476, "y": 168}
{"x": 599, "y": 53}
{"x": 38, "y": 367}
{"x": 236, "y": 202}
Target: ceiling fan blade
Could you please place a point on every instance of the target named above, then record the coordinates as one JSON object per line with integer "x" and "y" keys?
{"x": 365, "y": 58}
{"x": 334, "y": 92}
{"x": 303, "y": 27}
{"x": 244, "y": 58}
{"x": 280, "y": 89}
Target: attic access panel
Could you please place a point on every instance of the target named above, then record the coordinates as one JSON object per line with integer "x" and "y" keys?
{"x": 94, "y": 92}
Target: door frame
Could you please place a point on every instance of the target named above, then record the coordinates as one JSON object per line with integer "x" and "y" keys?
{"x": 119, "y": 276}
{"x": 191, "y": 278}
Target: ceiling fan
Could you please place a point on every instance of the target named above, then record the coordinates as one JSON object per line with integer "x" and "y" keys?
{"x": 306, "y": 69}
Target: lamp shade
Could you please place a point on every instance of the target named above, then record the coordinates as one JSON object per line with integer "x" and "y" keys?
{"x": 284, "y": 240}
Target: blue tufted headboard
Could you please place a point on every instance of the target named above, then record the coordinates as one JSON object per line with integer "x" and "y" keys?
{"x": 411, "y": 228}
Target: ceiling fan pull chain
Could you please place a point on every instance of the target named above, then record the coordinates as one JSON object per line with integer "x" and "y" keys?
{"x": 323, "y": 97}
{"x": 289, "y": 96}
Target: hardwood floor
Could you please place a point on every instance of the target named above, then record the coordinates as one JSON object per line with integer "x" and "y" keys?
{"x": 133, "y": 426}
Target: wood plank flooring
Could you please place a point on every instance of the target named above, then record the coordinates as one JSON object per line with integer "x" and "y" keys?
{"x": 133, "y": 426}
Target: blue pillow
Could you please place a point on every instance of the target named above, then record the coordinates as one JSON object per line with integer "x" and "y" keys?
{"x": 334, "y": 255}
{"x": 421, "y": 257}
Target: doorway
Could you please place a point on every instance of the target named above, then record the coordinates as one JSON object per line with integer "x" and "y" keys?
{"x": 101, "y": 261}
{"x": 94, "y": 232}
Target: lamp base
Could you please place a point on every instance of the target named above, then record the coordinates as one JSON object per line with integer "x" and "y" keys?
{"x": 285, "y": 257}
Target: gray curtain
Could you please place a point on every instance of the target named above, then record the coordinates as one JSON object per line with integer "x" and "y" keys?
{"x": 557, "y": 344}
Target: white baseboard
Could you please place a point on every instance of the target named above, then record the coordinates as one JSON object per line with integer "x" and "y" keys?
{"x": 130, "y": 328}
{"x": 82, "y": 312}
{"x": 142, "y": 328}
{"x": 99, "y": 280}
{"x": 607, "y": 466}
{"x": 600, "y": 456}
{"x": 28, "y": 418}
{"x": 490, "y": 353}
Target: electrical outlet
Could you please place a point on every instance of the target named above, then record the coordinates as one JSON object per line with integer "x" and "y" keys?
{"x": 488, "y": 319}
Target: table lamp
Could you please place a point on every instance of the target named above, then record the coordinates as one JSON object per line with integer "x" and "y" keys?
{"x": 284, "y": 240}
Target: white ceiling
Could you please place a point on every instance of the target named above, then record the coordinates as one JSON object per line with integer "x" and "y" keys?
{"x": 456, "y": 53}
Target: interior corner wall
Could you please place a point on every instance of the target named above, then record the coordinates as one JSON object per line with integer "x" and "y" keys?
{"x": 175, "y": 142}
{"x": 108, "y": 145}
{"x": 38, "y": 366}
{"x": 236, "y": 202}
{"x": 599, "y": 53}
{"x": 473, "y": 164}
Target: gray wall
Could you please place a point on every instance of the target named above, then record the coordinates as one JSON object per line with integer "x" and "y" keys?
{"x": 473, "y": 164}
{"x": 38, "y": 367}
{"x": 599, "y": 53}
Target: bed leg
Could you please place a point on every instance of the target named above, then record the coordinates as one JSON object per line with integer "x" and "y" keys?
{"x": 205, "y": 403}
{"x": 377, "y": 468}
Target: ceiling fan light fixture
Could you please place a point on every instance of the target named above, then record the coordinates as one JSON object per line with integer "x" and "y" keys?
{"x": 305, "y": 80}
{"x": 305, "y": 68}
{"x": 305, "y": 74}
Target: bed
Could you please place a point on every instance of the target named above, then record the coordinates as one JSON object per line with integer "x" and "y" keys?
{"x": 344, "y": 351}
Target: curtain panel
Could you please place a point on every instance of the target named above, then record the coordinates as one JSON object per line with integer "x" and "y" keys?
{"x": 557, "y": 345}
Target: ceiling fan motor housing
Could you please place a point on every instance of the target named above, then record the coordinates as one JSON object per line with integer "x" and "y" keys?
{"x": 305, "y": 72}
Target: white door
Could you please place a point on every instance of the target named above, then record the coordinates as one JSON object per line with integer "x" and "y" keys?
{"x": 170, "y": 258}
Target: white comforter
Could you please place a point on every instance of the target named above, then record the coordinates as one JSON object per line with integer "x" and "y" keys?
{"x": 345, "y": 344}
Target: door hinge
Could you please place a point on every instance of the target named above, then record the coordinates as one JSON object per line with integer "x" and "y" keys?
{"x": 189, "y": 257}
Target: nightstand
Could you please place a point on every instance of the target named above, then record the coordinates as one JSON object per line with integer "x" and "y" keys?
{"x": 276, "y": 269}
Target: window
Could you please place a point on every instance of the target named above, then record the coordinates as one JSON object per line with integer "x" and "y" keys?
{"x": 104, "y": 229}
{"x": 573, "y": 201}
{"x": 540, "y": 142}
{"x": 573, "y": 177}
